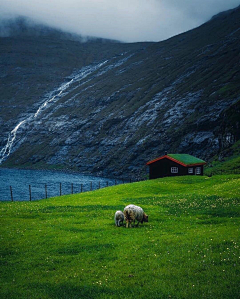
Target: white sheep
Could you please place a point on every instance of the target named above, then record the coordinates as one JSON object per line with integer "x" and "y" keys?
{"x": 132, "y": 213}
{"x": 119, "y": 217}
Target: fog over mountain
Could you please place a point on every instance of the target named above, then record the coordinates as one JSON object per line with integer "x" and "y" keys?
{"x": 128, "y": 21}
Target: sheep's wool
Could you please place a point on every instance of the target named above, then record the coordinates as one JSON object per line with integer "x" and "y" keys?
{"x": 119, "y": 217}
{"x": 132, "y": 213}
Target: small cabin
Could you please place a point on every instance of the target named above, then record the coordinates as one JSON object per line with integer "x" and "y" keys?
{"x": 175, "y": 165}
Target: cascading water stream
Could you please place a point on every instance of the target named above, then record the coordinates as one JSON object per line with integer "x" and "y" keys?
{"x": 84, "y": 72}
{"x": 6, "y": 150}
{"x": 59, "y": 92}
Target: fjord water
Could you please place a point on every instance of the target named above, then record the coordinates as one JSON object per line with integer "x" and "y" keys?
{"x": 56, "y": 182}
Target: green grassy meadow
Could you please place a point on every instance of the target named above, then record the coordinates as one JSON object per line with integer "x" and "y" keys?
{"x": 69, "y": 246}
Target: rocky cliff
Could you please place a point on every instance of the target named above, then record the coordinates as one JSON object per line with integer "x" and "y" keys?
{"x": 106, "y": 108}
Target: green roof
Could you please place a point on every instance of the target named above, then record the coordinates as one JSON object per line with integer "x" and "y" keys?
{"x": 186, "y": 159}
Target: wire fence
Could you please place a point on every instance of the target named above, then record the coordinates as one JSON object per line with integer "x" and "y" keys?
{"x": 44, "y": 191}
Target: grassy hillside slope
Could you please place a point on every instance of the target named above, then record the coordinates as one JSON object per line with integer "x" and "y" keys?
{"x": 69, "y": 247}
{"x": 226, "y": 162}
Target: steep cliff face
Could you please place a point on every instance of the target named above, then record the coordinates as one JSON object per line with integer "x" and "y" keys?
{"x": 108, "y": 108}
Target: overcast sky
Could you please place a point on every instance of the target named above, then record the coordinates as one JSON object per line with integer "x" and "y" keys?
{"x": 125, "y": 20}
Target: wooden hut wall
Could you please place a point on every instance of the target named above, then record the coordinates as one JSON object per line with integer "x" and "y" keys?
{"x": 163, "y": 168}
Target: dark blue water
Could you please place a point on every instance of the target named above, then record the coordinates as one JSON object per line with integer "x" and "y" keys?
{"x": 53, "y": 183}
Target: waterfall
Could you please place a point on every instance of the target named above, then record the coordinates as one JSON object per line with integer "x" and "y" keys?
{"x": 76, "y": 77}
{"x": 6, "y": 150}
{"x": 56, "y": 94}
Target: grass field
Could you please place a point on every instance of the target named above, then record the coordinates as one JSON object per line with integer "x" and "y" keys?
{"x": 69, "y": 246}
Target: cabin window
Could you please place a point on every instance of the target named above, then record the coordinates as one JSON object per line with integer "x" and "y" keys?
{"x": 198, "y": 170}
{"x": 174, "y": 169}
{"x": 190, "y": 170}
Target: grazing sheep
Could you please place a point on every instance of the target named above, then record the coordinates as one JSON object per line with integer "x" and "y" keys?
{"x": 119, "y": 217}
{"x": 132, "y": 213}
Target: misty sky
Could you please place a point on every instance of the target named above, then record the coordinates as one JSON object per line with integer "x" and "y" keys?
{"x": 125, "y": 20}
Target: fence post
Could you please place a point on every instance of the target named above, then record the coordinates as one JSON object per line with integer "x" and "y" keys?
{"x": 72, "y": 188}
{"x": 107, "y": 183}
{"x": 46, "y": 191}
{"x": 60, "y": 189}
{"x": 81, "y": 188}
{"x": 99, "y": 185}
{"x": 91, "y": 186}
{"x": 11, "y": 193}
{"x": 115, "y": 182}
{"x": 30, "y": 193}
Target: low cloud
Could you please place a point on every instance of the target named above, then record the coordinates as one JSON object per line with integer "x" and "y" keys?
{"x": 129, "y": 21}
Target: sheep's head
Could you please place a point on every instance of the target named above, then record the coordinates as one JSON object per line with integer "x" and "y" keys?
{"x": 145, "y": 217}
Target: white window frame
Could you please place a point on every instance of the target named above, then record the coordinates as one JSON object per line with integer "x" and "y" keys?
{"x": 198, "y": 170}
{"x": 174, "y": 169}
{"x": 190, "y": 170}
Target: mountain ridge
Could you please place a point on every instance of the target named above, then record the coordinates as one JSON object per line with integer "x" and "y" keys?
{"x": 135, "y": 102}
{"x": 25, "y": 27}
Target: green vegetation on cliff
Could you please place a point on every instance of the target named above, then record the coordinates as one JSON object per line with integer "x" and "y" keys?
{"x": 126, "y": 103}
